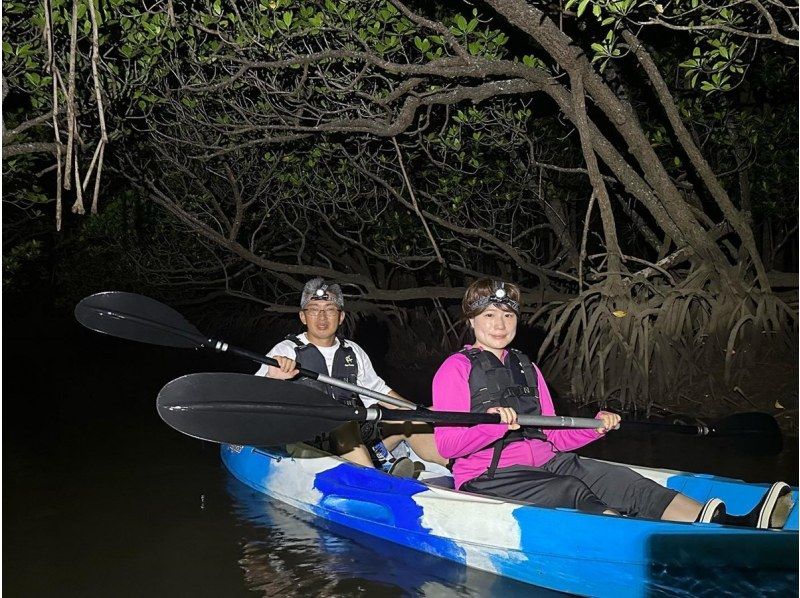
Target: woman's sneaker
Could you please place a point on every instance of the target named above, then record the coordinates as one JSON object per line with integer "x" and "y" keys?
{"x": 712, "y": 512}
{"x": 773, "y": 509}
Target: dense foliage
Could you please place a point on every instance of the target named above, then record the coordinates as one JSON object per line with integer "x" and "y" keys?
{"x": 632, "y": 165}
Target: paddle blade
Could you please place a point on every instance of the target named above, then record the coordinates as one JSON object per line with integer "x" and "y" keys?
{"x": 246, "y": 409}
{"x": 137, "y": 318}
{"x": 757, "y": 430}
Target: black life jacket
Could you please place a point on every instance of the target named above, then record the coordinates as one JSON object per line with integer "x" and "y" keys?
{"x": 513, "y": 383}
{"x": 345, "y": 367}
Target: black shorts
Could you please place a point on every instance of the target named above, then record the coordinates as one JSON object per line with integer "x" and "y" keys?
{"x": 577, "y": 483}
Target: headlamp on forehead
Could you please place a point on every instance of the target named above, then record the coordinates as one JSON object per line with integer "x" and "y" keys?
{"x": 319, "y": 289}
{"x": 498, "y": 296}
{"x": 321, "y": 294}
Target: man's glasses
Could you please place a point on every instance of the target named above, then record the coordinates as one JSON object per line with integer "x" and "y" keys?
{"x": 315, "y": 312}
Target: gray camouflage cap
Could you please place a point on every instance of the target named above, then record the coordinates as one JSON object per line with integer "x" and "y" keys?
{"x": 318, "y": 289}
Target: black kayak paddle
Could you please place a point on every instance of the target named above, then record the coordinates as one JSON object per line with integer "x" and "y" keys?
{"x": 258, "y": 411}
{"x": 139, "y": 318}
{"x": 245, "y": 409}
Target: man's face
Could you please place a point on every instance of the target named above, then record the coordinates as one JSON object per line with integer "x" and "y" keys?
{"x": 322, "y": 319}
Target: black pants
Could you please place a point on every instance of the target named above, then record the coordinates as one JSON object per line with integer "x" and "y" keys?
{"x": 583, "y": 484}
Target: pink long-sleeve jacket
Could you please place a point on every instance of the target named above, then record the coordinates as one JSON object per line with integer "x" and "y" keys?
{"x": 471, "y": 448}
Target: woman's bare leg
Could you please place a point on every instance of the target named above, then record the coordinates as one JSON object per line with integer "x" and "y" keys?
{"x": 682, "y": 508}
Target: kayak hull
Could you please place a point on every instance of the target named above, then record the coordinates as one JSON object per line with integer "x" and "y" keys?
{"x": 560, "y": 549}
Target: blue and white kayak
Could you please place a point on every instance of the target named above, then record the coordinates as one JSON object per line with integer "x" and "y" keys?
{"x": 560, "y": 549}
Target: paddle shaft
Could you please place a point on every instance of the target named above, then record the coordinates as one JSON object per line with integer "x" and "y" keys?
{"x": 343, "y": 413}
{"x": 698, "y": 430}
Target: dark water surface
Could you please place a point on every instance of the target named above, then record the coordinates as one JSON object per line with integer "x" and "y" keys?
{"x": 102, "y": 499}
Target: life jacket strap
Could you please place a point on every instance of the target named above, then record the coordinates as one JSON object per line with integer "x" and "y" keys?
{"x": 295, "y": 339}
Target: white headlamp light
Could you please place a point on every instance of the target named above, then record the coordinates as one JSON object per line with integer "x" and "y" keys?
{"x": 498, "y": 296}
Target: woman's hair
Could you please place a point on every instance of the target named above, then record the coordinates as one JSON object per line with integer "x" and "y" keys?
{"x": 486, "y": 288}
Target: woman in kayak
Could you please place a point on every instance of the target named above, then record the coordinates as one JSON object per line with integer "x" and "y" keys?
{"x": 535, "y": 466}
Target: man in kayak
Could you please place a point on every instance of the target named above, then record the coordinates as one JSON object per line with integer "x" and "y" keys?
{"x": 320, "y": 350}
{"x": 533, "y": 465}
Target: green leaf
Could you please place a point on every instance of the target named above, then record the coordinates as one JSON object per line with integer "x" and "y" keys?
{"x": 434, "y": 55}
{"x": 532, "y": 62}
{"x": 461, "y": 23}
{"x": 217, "y": 7}
{"x": 423, "y": 45}
{"x": 287, "y": 18}
{"x": 582, "y": 6}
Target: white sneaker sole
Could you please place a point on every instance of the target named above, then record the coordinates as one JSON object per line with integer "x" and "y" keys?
{"x": 709, "y": 510}
{"x": 776, "y": 508}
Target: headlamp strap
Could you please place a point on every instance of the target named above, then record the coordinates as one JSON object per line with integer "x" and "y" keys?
{"x": 499, "y": 295}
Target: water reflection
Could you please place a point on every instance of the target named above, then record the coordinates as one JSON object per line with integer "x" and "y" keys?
{"x": 288, "y": 552}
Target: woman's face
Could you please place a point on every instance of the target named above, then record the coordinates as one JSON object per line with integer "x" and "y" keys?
{"x": 494, "y": 329}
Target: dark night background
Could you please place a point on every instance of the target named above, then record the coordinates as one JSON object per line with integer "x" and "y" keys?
{"x": 640, "y": 184}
